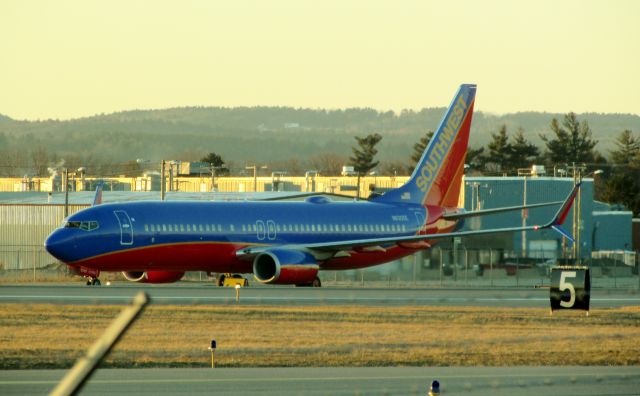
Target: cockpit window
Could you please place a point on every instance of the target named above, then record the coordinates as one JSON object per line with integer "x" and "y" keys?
{"x": 83, "y": 225}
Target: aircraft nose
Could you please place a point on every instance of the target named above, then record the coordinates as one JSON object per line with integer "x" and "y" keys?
{"x": 58, "y": 244}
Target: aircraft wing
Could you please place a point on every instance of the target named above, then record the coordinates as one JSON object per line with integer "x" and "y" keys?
{"x": 485, "y": 212}
{"x": 386, "y": 242}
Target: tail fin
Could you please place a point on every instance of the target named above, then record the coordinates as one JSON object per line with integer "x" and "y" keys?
{"x": 437, "y": 178}
{"x": 97, "y": 199}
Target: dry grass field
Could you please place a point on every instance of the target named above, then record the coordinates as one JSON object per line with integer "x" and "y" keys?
{"x": 53, "y": 336}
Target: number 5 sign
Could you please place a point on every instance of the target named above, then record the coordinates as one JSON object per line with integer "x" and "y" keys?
{"x": 570, "y": 288}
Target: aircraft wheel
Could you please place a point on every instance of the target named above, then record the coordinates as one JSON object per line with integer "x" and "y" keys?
{"x": 316, "y": 282}
{"x": 95, "y": 282}
{"x": 89, "y": 282}
{"x": 221, "y": 280}
{"x": 245, "y": 283}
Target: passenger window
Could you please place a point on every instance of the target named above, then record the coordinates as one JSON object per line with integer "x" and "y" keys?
{"x": 164, "y": 227}
{"x": 146, "y": 227}
{"x": 188, "y": 227}
{"x": 208, "y": 228}
{"x": 233, "y": 229}
{"x": 201, "y": 228}
{"x": 181, "y": 227}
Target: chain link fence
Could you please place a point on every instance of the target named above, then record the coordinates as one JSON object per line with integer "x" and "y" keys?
{"x": 433, "y": 268}
{"x": 487, "y": 268}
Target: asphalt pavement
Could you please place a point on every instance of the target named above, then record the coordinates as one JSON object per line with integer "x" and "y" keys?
{"x": 185, "y": 293}
{"x": 583, "y": 381}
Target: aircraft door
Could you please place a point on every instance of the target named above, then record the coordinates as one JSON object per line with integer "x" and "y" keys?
{"x": 271, "y": 229}
{"x": 260, "y": 230}
{"x": 126, "y": 227}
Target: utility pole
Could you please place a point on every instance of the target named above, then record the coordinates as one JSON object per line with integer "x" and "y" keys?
{"x": 255, "y": 175}
{"x": 65, "y": 185}
{"x": 577, "y": 178}
{"x": 525, "y": 213}
{"x": 213, "y": 178}
{"x": 162, "y": 181}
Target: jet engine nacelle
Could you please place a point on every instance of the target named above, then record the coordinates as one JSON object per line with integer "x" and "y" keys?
{"x": 153, "y": 276}
{"x": 283, "y": 266}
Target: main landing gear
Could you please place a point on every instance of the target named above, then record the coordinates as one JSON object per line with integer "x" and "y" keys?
{"x": 93, "y": 281}
{"x": 316, "y": 283}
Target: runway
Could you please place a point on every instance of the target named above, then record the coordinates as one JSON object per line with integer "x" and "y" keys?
{"x": 581, "y": 381}
{"x": 196, "y": 293}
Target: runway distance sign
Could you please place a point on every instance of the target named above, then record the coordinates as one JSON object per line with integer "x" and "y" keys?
{"x": 570, "y": 288}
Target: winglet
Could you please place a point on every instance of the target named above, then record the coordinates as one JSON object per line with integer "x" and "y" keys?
{"x": 562, "y": 232}
{"x": 97, "y": 199}
{"x": 562, "y": 214}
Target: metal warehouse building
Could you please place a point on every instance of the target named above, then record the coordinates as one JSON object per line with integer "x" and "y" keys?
{"x": 599, "y": 226}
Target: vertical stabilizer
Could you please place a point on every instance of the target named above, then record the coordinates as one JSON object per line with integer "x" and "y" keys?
{"x": 437, "y": 178}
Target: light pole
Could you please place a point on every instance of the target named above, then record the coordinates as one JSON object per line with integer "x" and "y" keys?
{"x": 255, "y": 175}
{"x": 577, "y": 209}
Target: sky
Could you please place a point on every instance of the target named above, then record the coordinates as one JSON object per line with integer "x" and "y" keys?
{"x": 67, "y": 59}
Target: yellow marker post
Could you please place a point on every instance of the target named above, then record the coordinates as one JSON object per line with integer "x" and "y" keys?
{"x": 237, "y": 293}
{"x": 212, "y": 348}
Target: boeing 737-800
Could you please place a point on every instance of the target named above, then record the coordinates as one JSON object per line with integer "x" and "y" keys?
{"x": 284, "y": 242}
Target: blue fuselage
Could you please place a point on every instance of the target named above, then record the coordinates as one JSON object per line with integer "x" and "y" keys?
{"x": 183, "y": 236}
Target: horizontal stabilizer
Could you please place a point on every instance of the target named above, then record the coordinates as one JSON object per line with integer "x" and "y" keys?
{"x": 97, "y": 199}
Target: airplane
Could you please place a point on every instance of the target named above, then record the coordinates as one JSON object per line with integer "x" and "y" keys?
{"x": 286, "y": 242}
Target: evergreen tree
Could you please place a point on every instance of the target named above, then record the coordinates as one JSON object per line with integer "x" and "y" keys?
{"x": 572, "y": 142}
{"x": 523, "y": 153}
{"x": 500, "y": 150}
{"x": 216, "y": 163}
{"x": 622, "y": 188}
{"x": 475, "y": 158}
{"x": 623, "y": 185}
{"x": 418, "y": 149}
{"x": 362, "y": 158}
{"x": 627, "y": 151}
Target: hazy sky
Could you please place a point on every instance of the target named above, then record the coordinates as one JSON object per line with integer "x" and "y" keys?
{"x": 73, "y": 58}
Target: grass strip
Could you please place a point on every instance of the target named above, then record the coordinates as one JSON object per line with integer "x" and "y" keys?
{"x": 54, "y": 336}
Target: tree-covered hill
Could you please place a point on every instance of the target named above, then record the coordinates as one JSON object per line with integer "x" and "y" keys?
{"x": 264, "y": 134}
